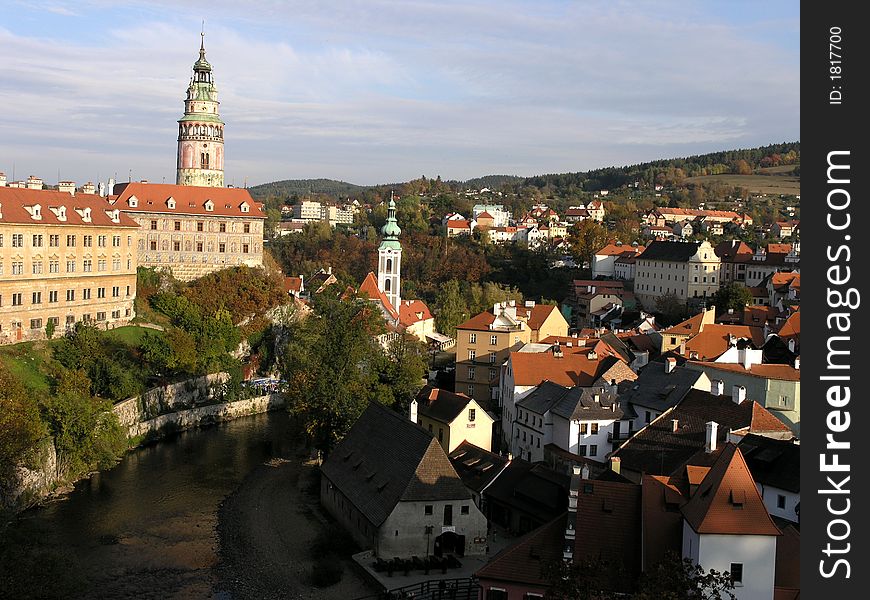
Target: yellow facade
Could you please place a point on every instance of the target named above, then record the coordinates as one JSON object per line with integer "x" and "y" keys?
{"x": 66, "y": 274}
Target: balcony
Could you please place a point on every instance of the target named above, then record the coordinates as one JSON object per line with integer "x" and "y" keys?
{"x": 618, "y": 438}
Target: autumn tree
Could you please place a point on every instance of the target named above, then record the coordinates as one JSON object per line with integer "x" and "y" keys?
{"x": 670, "y": 308}
{"x": 450, "y": 308}
{"x": 585, "y": 239}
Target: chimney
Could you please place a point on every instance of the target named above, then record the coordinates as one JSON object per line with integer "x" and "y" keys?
{"x": 675, "y": 425}
{"x": 89, "y": 188}
{"x": 614, "y": 388}
{"x": 711, "y": 437}
{"x": 797, "y": 363}
{"x": 670, "y": 364}
{"x": 584, "y": 472}
{"x": 67, "y": 186}
{"x": 615, "y": 464}
{"x": 738, "y": 393}
{"x": 791, "y": 345}
{"x": 413, "y": 412}
{"x": 718, "y": 387}
{"x": 557, "y": 350}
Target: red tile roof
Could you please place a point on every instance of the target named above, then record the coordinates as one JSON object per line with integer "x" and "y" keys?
{"x": 370, "y": 288}
{"x": 14, "y": 200}
{"x": 526, "y": 560}
{"x": 189, "y": 200}
{"x": 791, "y": 328}
{"x": 480, "y": 322}
{"x": 618, "y": 249}
{"x": 292, "y": 284}
{"x": 712, "y": 341}
{"x": 539, "y": 314}
{"x": 778, "y": 248}
{"x": 413, "y": 311}
{"x": 727, "y": 501}
{"x": 572, "y": 369}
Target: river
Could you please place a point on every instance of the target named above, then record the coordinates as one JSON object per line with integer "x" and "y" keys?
{"x": 147, "y": 528}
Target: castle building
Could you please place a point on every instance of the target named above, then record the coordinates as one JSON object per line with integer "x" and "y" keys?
{"x": 201, "y": 131}
{"x": 190, "y": 230}
{"x": 65, "y": 257}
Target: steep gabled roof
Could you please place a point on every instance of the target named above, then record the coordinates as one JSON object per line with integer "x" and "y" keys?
{"x": 572, "y": 369}
{"x": 791, "y": 328}
{"x": 385, "y": 459}
{"x": 608, "y": 528}
{"x": 413, "y": 311}
{"x": 727, "y": 501}
{"x": 713, "y": 340}
{"x": 441, "y": 405}
{"x": 14, "y": 200}
{"x": 539, "y": 314}
{"x": 526, "y": 560}
{"x": 765, "y": 371}
{"x": 370, "y": 288}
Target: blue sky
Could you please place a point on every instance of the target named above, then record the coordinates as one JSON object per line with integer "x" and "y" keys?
{"x": 388, "y": 90}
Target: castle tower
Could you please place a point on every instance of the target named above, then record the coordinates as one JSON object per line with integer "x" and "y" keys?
{"x": 201, "y": 131}
{"x": 390, "y": 259}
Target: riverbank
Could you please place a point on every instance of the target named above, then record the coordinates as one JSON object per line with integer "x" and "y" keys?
{"x": 266, "y": 530}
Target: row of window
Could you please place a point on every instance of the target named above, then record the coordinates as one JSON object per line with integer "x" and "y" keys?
{"x": 472, "y": 355}
{"x": 38, "y": 240}
{"x": 198, "y": 247}
{"x": 37, "y": 267}
{"x": 70, "y": 320}
{"x": 471, "y": 373}
{"x": 531, "y": 438}
{"x": 200, "y": 226}
{"x": 493, "y": 339}
{"x": 52, "y": 296}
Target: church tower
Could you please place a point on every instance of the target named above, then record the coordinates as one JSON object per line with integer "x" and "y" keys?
{"x": 390, "y": 259}
{"x": 201, "y": 131}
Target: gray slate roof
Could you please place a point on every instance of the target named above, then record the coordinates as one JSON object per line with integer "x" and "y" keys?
{"x": 656, "y": 389}
{"x": 477, "y": 467}
{"x": 670, "y": 251}
{"x": 385, "y": 459}
{"x": 575, "y": 403}
{"x": 776, "y": 463}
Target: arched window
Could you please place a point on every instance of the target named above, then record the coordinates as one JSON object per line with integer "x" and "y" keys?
{"x": 389, "y": 265}
{"x": 387, "y": 285}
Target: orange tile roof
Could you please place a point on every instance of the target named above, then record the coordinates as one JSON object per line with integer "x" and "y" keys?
{"x": 727, "y": 501}
{"x": 572, "y": 369}
{"x": 480, "y": 322}
{"x": 189, "y": 200}
{"x": 413, "y": 311}
{"x": 616, "y": 250}
{"x": 539, "y": 314}
{"x": 778, "y": 248}
{"x": 791, "y": 328}
{"x": 778, "y": 372}
{"x": 484, "y": 215}
{"x": 292, "y": 284}
{"x": 691, "y": 326}
{"x": 370, "y": 288}
{"x": 712, "y": 341}
{"x": 457, "y": 224}
{"x": 13, "y": 201}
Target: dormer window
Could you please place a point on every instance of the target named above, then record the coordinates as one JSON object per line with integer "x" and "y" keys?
{"x": 209, "y": 206}
{"x": 114, "y": 215}
{"x": 170, "y": 202}
{"x": 85, "y": 214}
{"x": 133, "y": 201}
{"x": 59, "y": 212}
{"x": 35, "y": 212}
{"x": 246, "y": 207}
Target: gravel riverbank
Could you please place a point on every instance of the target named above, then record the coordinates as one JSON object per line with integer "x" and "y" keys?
{"x": 265, "y": 531}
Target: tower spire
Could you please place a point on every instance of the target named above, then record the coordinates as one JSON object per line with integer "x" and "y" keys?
{"x": 201, "y": 131}
{"x": 390, "y": 258}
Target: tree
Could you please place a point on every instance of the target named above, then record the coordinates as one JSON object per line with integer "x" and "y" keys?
{"x": 49, "y": 329}
{"x": 400, "y": 372}
{"x": 680, "y": 579}
{"x": 585, "y": 239}
{"x": 581, "y": 579}
{"x": 450, "y": 308}
{"x": 327, "y": 364}
{"x": 671, "y": 308}
{"x": 732, "y": 295}
{"x": 20, "y": 426}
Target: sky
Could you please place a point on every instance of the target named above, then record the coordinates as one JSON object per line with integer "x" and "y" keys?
{"x": 382, "y": 91}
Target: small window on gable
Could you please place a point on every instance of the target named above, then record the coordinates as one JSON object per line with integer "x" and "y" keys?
{"x": 170, "y": 202}
{"x": 133, "y": 201}
{"x": 246, "y": 207}
{"x": 209, "y": 205}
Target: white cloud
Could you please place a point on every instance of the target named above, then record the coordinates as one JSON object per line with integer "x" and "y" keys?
{"x": 377, "y": 91}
